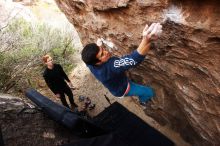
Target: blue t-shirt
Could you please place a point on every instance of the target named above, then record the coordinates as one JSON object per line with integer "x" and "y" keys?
{"x": 112, "y": 73}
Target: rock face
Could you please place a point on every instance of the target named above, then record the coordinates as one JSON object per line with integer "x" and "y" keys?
{"x": 29, "y": 127}
{"x": 183, "y": 65}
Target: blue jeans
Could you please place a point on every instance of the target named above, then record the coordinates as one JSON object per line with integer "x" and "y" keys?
{"x": 144, "y": 93}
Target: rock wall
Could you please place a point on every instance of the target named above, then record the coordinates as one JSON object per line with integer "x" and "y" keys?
{"x": 23, "y": 125}
{"x": 183, "y": 65}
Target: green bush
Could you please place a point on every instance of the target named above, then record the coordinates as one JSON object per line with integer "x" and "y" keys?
{"x": 23, "y": 45}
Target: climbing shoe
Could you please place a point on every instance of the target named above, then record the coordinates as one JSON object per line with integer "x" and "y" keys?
{"x": 81, "y": 98}
{"x": 91, "y": 106}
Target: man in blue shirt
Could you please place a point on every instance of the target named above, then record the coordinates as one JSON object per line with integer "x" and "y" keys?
{"x": 111, "y": 70}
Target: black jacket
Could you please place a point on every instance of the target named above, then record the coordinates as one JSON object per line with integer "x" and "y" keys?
{"x": 55, "y": 78}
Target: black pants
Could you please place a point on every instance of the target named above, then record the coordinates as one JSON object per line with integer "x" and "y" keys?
{"x": 66, "y": 90}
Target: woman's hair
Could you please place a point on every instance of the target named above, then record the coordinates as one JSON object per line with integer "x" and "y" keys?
{"x": 45, "y": 58}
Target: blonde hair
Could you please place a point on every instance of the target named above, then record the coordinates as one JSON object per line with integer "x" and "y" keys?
{"x": 45, "y": 58}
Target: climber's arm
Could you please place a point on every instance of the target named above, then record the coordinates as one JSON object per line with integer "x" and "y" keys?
{"x": 149, "y": 34}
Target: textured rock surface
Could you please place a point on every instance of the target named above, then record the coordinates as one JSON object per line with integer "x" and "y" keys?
{"x": 29, "y": 127}
{"x": 182, "y": 66}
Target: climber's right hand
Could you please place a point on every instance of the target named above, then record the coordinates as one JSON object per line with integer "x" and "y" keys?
{"x": 152, "y": 32}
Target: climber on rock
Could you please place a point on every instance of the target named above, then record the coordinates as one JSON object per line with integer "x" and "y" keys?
{"x": 111, "y": 70}
{"x": 56, "y": 78}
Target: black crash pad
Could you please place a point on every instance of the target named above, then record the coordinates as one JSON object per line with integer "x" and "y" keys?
{"x": 126, "y": 130}
{"x": 59, "y": 113}
{"x": 115, "y": 126}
